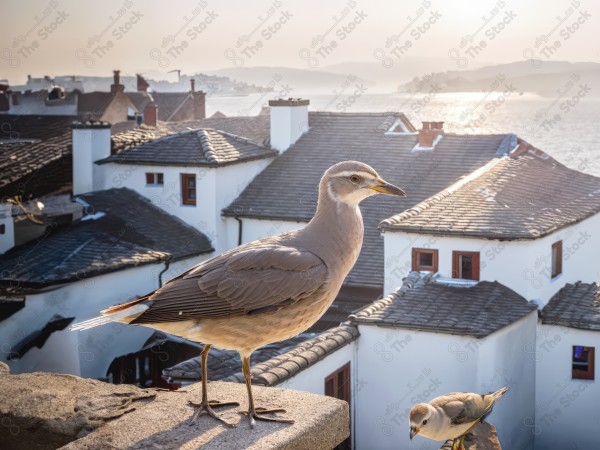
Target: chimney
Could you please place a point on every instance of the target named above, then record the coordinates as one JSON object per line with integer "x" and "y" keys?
{"x": 151, "y": 114}
{"x": 91, "y": 142}
{"x": 142, "y": 84}
{"x": 193, "y": 85}
{"x": 199, "y": 103}
{"x": 429, "y": 133}
{"x": 289, "y": 121}
{"x": 7, "y": 228}
{"x": 116, "y": 86}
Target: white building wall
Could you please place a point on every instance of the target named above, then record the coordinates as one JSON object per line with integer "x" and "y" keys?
{"x": 230, "y": 182}
{"x": 7, "y": 225}
{"x": 253, "y": 229}
{"x": 312, "y": 379}
{"x": 524, "y": 266}
{"x": 86, "y": 353}
{"x": 566, "y": 414}
{"x": 201, "y": 216}
{"x": 397, "y": 368}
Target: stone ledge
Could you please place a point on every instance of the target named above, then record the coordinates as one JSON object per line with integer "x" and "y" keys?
{"x": 44, "y": 410}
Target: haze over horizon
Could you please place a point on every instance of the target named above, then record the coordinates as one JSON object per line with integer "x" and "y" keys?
{"x": 62, "y": 37}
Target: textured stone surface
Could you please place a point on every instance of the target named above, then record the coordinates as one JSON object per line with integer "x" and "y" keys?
{"x": 43, "y": 410}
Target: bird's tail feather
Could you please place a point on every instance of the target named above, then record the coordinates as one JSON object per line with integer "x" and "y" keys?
{"x": 499, "y": 393}
{"x": 119, "y": 313}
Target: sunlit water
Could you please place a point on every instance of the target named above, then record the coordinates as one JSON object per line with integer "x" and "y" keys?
{"x": 568, "y": 132}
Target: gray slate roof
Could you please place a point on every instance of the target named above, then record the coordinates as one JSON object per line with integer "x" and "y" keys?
{"x": 287, "y": 189}
{"x": 425, "y": 305}
{"x": 203, "y": 147}
{"x": 575, "y": 306}
{"x": 121, "y": 229}
{"x": 524, "y": 196}
{"x": 278, "y": 369}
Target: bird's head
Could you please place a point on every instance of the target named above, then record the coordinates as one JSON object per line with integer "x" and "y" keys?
{"x": 420, "y": 415}
{"x": 351, "y": 182}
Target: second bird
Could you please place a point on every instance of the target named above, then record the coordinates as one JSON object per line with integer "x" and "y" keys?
{"x": 267, "y": 290}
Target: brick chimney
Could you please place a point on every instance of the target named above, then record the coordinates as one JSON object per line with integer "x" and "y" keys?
{"x": 289, "y": 121}
{"x": 199, "y": 101}
{"x": 7, "y": 228}
{"x": 142, "y": 84}
{"x": 429, "y": 133}
{"x": 151, "y": 114}
{"x": 91, "y": 142}
{"x": 116, "y": 86}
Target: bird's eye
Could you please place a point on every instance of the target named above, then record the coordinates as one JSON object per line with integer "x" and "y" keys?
{"x": 425, "y": 422}
{"x": 355, "y": 179}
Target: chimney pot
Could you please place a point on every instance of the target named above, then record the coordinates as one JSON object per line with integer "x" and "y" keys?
{"x": 193, "y": 85}
{"x": 151, "y": 115}
{"x": 116, "y": 86}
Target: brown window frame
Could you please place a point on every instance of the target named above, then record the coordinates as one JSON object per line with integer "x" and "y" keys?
{"x": 579, "y": 374}
{"x": 346, "y": 391}
{"x": 185, "y": 197}
{"x": 155, "y": 179}
{"x": 476, "y": 264}
{"x": 558, "y": 263}
{"x": 415, "y": 259}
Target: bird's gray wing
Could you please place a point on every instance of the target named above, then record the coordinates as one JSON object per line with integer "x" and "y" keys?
{"x": 461, "y": 407}
{"x": 250, "y": 280}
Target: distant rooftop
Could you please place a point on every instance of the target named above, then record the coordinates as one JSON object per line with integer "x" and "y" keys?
{"x": 203, "y": 147}
{"x": 575, "y": 306}
{"x": 524, "y": 196}
{"x": 426, "y": 305}
{"x": 120, "y": 229}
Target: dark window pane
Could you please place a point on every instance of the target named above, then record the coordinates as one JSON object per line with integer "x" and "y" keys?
{"x": 466, "y": 267}
{"x": 160, "y": 178}
{"x": 426, "y": 259}
{"x": 149, "y": 178}
{"x": 329, "y": 387}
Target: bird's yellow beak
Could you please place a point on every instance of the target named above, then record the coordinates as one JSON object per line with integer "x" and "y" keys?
{"x": 383, "y": 187}
{"x": 413, "y": 432}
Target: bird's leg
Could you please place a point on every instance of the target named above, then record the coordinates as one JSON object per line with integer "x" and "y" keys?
{"x": 255, "y": 413}
{"x": 461, "y": 443}
{"x": 206, "y": 405}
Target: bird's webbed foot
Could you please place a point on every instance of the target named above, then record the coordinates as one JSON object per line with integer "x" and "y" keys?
{"x": 207, "y": 407}
{"x": 258, "y": 414}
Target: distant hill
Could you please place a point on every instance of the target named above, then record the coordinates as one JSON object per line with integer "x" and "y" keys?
{"x": 299, "y": 80}
{"x": 548, "y": 80}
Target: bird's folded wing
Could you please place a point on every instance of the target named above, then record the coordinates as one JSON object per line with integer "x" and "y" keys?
{"x": 462, "y": 407}
{"x": 251, "y": 280}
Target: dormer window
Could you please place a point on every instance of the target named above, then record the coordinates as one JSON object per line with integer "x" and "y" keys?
{"x": 465, "y": 265}
{"x": 155, "y": 179}
{"x": 425, "y": 259}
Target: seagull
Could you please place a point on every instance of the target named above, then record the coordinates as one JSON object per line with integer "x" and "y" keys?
{"x": 452, "y": 416}
{"x": 263, "y": 291}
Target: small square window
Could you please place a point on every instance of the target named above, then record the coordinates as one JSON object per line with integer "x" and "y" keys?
{"x": 465, "y": 265}
{"x": 424, "y": 259}
{"x": 557, "y": 257}
{"x": 2, "y": 228}
{"x": 154, "y": 179}
{"x": 188, "y": 188}
{"x": 582, "y": 363}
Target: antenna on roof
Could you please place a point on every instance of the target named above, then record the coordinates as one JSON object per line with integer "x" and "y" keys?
{"x": 178, "y": 74}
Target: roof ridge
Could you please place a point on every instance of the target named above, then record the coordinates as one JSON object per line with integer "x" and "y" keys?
{"x": 441, "y": 195}
{"x": 206, "y": 145}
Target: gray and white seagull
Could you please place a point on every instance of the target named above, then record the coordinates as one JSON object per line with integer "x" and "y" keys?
{"x": 264, "y": 291}
{"x": 452, "y": 416}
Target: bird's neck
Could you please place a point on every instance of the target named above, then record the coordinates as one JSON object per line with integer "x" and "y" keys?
{"x": 338, "y": 227}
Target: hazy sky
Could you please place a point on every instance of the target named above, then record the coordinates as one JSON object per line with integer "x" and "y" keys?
{"x": 152, "y": 37}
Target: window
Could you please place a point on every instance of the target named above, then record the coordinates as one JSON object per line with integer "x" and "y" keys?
{"x": 583, "y": 363}
{"x": 557, "y": 255}
{"x": 2, "y": 228}
{"x": 465, "y": 265}
{"x": 424, "y": 259}
{"x": 338, "y": 385}
{"x": 188, "y": 189}
{"x": 154, "y": 179}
